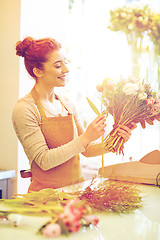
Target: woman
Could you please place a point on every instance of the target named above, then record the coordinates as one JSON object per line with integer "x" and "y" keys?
{"x": 47, "y": 125}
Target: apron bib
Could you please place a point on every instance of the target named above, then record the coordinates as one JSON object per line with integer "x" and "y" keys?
{"x": 57, "y": 131}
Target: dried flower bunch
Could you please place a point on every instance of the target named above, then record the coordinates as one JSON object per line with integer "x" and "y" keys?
{"x": 111, "y": 196}
{"x": 128, "y": 100}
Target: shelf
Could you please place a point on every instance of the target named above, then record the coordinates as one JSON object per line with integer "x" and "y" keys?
{"x": 5, "y": 182}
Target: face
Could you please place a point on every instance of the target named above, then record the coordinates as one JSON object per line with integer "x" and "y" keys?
{"x": 55, "y": 70}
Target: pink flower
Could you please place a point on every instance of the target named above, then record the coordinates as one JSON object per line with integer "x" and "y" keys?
{"x": 73, "y": 226}
{"x": 150, "y": 101}
{"x": 91, "y": 219}
{"x": 73, "y": 207}
{"x": 108, "y": 84}
{"x": 70, "y": 220}
{"x": 156, "y": 108}
{"x": 73, "y": 211}
{"x": 68, "y": 216}
{"x": 99, "y": 88}
{"x": 52, "y": 230}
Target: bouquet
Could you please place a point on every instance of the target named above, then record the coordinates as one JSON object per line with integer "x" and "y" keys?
{"x": 128, "y": 100}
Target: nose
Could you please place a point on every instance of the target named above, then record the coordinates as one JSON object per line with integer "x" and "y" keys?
{"x": 65, "y": 68}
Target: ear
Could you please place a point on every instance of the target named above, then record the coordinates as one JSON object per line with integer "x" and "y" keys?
{"x": 37, "y": 72}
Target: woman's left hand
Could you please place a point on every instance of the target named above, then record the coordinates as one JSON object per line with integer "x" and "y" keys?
{"x": 125, "y": 132}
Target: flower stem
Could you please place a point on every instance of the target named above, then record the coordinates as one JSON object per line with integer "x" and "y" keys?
{"x": 102, "y": 139}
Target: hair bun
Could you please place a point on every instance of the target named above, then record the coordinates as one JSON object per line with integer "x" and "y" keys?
{"x": 22, "y": 46}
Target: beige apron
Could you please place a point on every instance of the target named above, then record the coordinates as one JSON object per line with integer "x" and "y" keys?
{"x": 57, "y": 131}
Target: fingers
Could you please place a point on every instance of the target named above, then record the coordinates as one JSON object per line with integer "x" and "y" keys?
{"x": 124, "y": 135}
{"x": 97, "y": 119}
{"x": 124, "y": 132}
{"x": 95, "y": 129}
{"x": 99, "y": 123}
{"x": 125, "y": 128}
{"x": 100, "y": 126}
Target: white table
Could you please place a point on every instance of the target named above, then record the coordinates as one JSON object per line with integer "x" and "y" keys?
{"x": 143, "y": 224}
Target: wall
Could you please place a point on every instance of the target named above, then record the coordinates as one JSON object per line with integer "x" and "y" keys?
{"x": 9, "y": 83}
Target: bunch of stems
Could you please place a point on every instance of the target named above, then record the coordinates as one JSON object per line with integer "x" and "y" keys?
{"x": 134, "y": 110}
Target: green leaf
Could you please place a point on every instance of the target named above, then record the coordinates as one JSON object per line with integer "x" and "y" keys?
{"x": 63, "y": 227}
{"x": 94, "y": 108}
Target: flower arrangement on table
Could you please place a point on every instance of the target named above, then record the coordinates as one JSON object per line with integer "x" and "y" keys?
{"x": 67, "y": 212}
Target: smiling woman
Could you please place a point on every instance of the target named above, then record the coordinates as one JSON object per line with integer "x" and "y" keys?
{"x": 47, "y": 125}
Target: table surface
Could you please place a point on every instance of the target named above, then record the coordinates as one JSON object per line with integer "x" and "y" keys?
{"x": 142, "y": 224}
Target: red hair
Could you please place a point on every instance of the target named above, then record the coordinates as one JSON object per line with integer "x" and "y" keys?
{"x": 35, "y": 52}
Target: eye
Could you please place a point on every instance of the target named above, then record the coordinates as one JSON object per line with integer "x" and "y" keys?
{"x": 58, "y": 65}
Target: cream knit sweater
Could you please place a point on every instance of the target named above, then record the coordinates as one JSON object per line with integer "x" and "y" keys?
{"x": 26, "y": 121}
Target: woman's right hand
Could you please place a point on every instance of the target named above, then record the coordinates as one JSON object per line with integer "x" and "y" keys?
{"x": 94, "y": 130}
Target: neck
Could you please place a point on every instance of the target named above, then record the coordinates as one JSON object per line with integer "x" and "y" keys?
{"x": 45, "y": 92}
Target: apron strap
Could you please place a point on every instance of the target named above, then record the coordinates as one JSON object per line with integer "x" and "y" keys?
{"x": 38, "y": 102}
{"x": 68, "y": 110}
{"x": 39, "y": 105}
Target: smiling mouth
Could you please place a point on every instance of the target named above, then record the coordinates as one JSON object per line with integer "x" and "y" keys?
{"x": 62, "y": 78}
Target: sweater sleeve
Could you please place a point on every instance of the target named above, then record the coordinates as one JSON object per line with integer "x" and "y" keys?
{"x": 26, "y": 121}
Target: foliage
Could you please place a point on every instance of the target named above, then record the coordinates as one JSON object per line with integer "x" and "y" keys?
{"x": 133, "y": 21}
{"x": 137, "y": 22}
